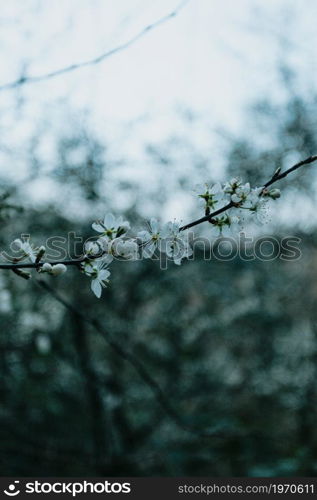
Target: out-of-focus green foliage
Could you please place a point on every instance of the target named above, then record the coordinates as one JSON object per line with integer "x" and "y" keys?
{"x": 232, "y": 344}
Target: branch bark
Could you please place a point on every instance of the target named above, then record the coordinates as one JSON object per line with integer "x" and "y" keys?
{"x": 205, "y": 218}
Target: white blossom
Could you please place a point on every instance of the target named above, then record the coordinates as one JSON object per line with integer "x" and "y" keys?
{"x": 211, "y": 196}
{"x": 93, "y": 248}
{"x": 150, "y": 239}
{"x": 231, "y": 186}
{"x": 260, "y": 211}
{"x": 241, "y": 193}
{"x": 168, "y": 238}
{"x": 26, "y": 247}
{"x": 257, "y": 204}
{"x": 175, "y": 243}
{"x": 99, "y": 273}
{"x": 111, "y": 227}
{"x": 225, "y": 225}
{"x": 126, "y": 249}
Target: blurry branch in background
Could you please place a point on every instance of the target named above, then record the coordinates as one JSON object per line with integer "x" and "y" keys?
{"x": 23, "y": 80}
{"x": 127, "y": 356}
{"x": 278, "y": 175}
{"x": 6, "y": 207}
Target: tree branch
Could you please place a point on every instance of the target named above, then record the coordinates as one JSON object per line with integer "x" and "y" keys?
{"x": 205, "y": 218}
{"x": 273, "y": 179}
{"x": 38, "y": 265}
{"x": 280, "y": 176}
{"x": 96, "y": 60}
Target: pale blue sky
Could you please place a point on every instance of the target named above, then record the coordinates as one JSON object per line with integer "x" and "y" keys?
{"x": 214, "y": 58}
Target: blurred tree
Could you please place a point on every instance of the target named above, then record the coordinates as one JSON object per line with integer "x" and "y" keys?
{"x": 231, "y": 343}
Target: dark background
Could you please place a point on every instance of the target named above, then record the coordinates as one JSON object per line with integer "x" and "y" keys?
{"x": 232, "y": 344}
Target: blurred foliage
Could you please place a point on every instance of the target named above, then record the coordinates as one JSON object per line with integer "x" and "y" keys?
{"x": 232, "y": 344}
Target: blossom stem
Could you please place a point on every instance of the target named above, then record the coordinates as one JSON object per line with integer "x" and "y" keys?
{"x": 205, "y": 218}
{"x": 273, "y": 179}
{"x": 30, "y": 265}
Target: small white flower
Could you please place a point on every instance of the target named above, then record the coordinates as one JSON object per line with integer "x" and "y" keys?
{"x": 254, "y": 197}
{"x": 125, "y": 249}
{"x": 99, "y": 274}
{"x": 260, "y": 212}
{"x": 58, "y": 269}
{"x": 93, "y": 248}
{"x": 231, "y": 186}
{"x": 257, "y": 204}
{"x": 28, "y": 250}
{"x": 241, "y": 193}
{"x": 226, "y": 226}
{"x": 150, "y": 239}
{"x": 111, "y": 227}
{"x": 211, "y": 196}
{"x": 175, "y": 243}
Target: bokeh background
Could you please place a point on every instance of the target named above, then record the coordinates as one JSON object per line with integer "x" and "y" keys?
{"x": 220, "y": 89}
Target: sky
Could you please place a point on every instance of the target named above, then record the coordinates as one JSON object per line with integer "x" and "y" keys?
{"x": 213, "y": 59}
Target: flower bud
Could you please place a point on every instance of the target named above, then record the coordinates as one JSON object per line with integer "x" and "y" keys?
{"x": 93, "y": 248}
{"x": 274, "y": 194}
{"x": 40, "y": 253}
{"x": 58, "y": 269}
{"x": 17, "y": 244}
{"x": 46, "y": 268}
{"x": 126, "y": 249}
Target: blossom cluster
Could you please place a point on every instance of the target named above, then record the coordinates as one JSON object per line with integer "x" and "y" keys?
{"x": 113, "y": 243}
{"x": 225, "y": 207}
{"x": 235, "y": 195}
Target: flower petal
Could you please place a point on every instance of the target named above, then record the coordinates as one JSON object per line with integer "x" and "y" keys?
{"x": 154, "y": 225}
{"x": 144, "y": 236}
{"x": 103, "y": 275}
{"x": 96, "y": 288}
{"x": 149, "y": 250}
{"x": 109, "y": 221}
{"x": 98, "y": 227}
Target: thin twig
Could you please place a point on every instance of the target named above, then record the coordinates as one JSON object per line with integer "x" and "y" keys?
{"x": 33, "y": 265}
{"x": 280, "y": 176}
{"x": 273, "y": 179}
{"x": 205, "y": 218}
{"x": 96, "y": 60}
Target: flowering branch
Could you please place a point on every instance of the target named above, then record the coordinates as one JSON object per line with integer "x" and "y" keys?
{"x": 276, "y": 177}
{"x": 171, "y": 239}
